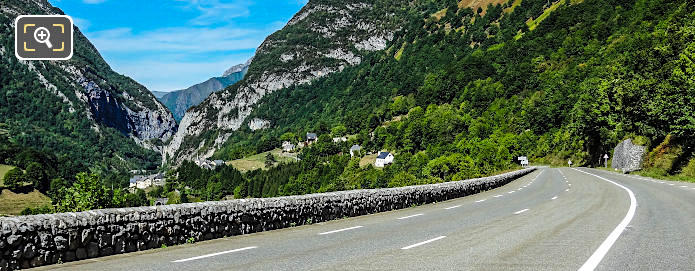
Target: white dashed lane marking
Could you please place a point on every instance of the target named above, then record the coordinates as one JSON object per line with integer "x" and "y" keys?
{"x": 406, "y": 217}
{"x": 213, "y": 254}
{"x": 452, "y": 207}
{"x": 424, "y": 242}
{"x": 520, "y": 211}
{"x": 335, "y": 231}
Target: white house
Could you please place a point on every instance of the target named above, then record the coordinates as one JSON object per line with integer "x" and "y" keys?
{"x": 383, "y": 159}
{"x": 207, "y": 164}
{"x": 218, "y": 163}
{"x": 339, "y": 139}
{"x": 355, "y": 150}
{"x": 288, "y": 146}
{"x": 142, "y": 182}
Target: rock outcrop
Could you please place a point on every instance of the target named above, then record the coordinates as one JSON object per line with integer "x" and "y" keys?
{"x": 322, "y": 38}
{"x": 30, "y": 241}
{"x": 627, "y": 156}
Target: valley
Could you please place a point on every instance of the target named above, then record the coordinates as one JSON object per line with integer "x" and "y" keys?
{"x": 452, "y": 89}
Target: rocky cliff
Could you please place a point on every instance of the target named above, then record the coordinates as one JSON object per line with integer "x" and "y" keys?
{"x": 322, "y": 38}
{"x": 55, "y": 100}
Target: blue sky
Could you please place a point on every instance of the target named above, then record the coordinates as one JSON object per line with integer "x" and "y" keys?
{"x": 172, "y": 44}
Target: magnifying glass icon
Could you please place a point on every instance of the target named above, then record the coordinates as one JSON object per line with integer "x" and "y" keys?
{"x": 42, "y": 35}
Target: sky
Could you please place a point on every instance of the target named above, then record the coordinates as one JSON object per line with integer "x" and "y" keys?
{"x": 168, "y": 45}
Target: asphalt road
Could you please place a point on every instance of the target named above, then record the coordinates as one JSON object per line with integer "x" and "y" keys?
{"x": 551, "y": 219}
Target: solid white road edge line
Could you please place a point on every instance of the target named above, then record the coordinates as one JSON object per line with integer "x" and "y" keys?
{"x": 213, "y": 254}
{"x": 406, "y": 217}
{"x": 424, "y": 242}
{"x": 452, "y": 207}
{"x": 345, "y": 229}
{"x": 603, "y": 249}
{"x": 520, "y": 211}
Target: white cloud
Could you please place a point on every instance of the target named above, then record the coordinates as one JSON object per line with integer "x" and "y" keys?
{"x": 213, "y": 11}
{"x": 177, "y": 39}
{"x": 83, "y": 24}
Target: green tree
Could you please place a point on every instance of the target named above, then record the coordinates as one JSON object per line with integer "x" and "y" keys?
{"x": 57, "y": 189}
{"x": 86, "y": 193}
{"x": 289, "y": 136}
{"x": 14, "y": 179}
{"x": 36, "y": 174}
{"x": 269, "y": 160}
{"x": 338, "y": 131}
{"x": 184, "y": 196}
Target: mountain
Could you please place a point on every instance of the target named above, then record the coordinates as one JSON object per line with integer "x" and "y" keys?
{"x": 159, "y": 94}
{"x": 181, "y": 100}
{"x": 324, "y": 37}
{"x": 461, "y": 90}
{"x": 481, "y": 79}
{"x": 79, "y": 109}
{"x": 239, "y": 68}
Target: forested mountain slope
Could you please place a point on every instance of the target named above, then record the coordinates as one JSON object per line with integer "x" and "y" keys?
{"x": 326, "y": 36}
{"x": 86, "y": 114}
{"x": 459, "y": 92}
{"x": 590, "y": 74}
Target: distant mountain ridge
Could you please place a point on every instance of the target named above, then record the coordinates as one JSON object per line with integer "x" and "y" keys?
{"x": 159, "y": 94}
{"x": 181, "y": 100}
{"x": 238, "y": 68}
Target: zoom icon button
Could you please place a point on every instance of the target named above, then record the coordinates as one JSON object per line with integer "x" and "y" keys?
{"x": 43, "y": 37}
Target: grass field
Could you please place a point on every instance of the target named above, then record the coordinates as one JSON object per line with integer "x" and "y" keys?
{"x": 13, "y": 204}
{"x": 368, "y": 159}
{"x": 3, "y": 170}
{"x": 258, "y": 161}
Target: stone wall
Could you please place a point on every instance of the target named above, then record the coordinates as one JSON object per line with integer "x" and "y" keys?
{"x": 29, "y": 241}
{"x": 627, "y": 156}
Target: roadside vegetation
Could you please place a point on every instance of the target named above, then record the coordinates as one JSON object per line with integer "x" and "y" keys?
{"x": 474, "y": 88}
{"x": 583, "y": 76}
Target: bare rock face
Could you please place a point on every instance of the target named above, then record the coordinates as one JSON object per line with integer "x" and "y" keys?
{"x": 335, "y": 34}
{"x": 237, "y": 68}
{"x": 627, "y": 156}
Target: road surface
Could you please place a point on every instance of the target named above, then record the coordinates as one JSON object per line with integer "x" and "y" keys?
{"x": 551, "y": 219}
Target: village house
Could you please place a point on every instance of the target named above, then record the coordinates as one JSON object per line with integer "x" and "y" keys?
{"x": 142, "y": 182}
{"x": 355, "y": 150}
{"x": 288, "y": 146}
{"x": 311, "y": 138}
{"x": 209, "y": 165}
{"x": 339, "y": 139}
{"x": 383, "y": 159}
